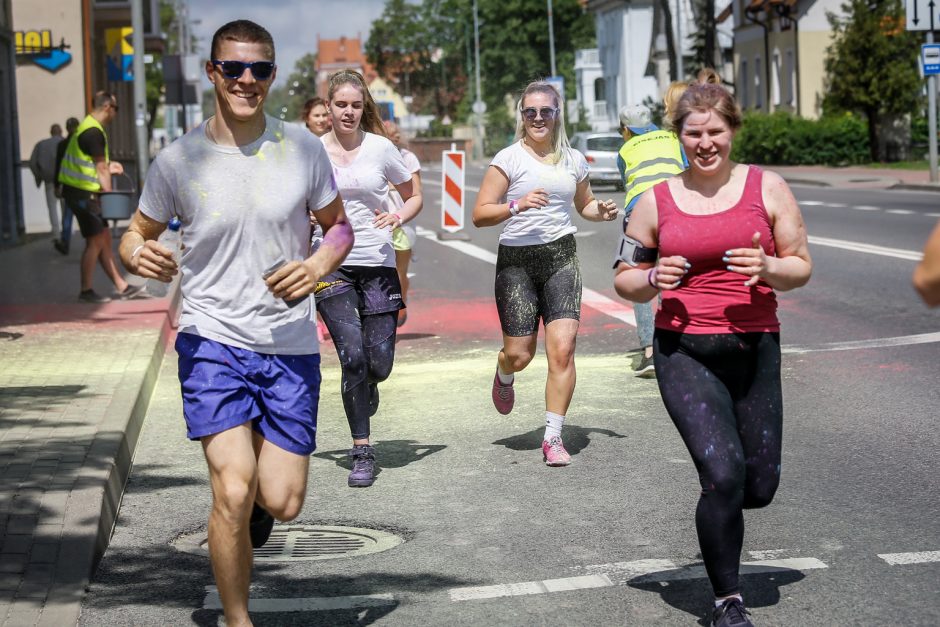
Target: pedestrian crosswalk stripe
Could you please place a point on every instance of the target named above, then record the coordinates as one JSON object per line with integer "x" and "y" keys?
{"x": 924, "y": 557}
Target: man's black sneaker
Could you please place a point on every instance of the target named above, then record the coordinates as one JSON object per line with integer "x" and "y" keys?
{"x": 60, "y": 246}
{"x": 131, "y": 291}
{"x": 260, "y": 526}
{"x": 731, "y": 613}
{"x": 91, "y": 296}
{"x": 363, "y": 470}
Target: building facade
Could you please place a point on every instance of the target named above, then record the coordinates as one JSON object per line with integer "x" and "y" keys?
{"x": 779, "y": 53}
{"x": 65, "y": 51}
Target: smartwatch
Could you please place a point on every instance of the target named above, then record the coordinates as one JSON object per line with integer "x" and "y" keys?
{"x": 513, "y": 207}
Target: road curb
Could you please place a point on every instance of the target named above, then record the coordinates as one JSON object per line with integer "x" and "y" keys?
{"x": 95, "y": 501}
{"x": 917, "y": 187}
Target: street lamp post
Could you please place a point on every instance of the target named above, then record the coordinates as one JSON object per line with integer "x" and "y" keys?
{"x": 551, "y": 38}
{"x": 479, "y": 107}
{"x": 140, "y": 91}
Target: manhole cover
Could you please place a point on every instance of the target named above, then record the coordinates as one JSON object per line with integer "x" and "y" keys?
{"x": 301, "y": 543}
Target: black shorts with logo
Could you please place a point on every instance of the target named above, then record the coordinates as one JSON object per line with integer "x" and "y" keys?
{"x": 87, "y": 210}
{"x": 378, "y": 287}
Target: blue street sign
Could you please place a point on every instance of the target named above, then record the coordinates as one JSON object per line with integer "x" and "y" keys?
{"x": 930, "y": 56}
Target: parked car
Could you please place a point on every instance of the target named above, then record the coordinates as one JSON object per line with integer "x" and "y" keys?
{"x": 600, "y": 150}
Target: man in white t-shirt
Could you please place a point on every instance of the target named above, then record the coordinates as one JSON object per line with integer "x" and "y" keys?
{"x": 242, "y": 184}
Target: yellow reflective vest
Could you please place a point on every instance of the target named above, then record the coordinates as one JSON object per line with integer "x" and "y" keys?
{"x": 648, "y": 159}
{"x": 78, "y": 169}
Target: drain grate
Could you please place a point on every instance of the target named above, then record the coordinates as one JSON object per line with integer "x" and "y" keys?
{"x": 293, "y": 543}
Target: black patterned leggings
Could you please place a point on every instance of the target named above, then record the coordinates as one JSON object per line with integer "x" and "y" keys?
{"x": 723, "y": 393}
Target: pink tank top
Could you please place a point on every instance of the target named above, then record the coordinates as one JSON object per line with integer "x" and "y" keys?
{"x": 712, "y": 299}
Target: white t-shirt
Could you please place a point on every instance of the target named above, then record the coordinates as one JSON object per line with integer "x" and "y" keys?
{"x": 411, "y": 162}
{"x": 364, "y": 186}
{"x": 243, "y": 209}
{"x": 560, "y": 181}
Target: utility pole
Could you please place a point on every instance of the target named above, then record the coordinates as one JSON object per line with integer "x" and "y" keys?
{"x": 140, "y": 91}
{"x": 183, "y": 49}
{"x": 479, "y": 107}
{"x": 551, "y": 37}
{"x": 680, "y": 48}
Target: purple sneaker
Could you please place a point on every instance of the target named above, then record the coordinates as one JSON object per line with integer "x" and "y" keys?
{"x": 363, "y": 470}
{"x": 503, "y": 395}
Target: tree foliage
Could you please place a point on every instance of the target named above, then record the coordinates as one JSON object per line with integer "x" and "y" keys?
{"x": 420, "y": 49}
{"x": 871, "y": 65}
{"x": 428, "y": 49}
{"x": 290, "y": 91}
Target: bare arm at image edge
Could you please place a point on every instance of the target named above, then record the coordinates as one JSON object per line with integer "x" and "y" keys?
{"x": 927, "y": 273}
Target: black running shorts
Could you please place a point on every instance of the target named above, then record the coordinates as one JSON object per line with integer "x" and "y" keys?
{"x": 540, "y": 281}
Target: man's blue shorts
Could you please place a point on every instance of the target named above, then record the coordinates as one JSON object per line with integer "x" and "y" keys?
{"x": 224, "y": 387}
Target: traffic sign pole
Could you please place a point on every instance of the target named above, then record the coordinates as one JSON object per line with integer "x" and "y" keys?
{"x": 932, "y": 119}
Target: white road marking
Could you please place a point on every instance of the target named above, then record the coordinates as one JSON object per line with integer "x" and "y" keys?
{"x": 866, "y": 208}
{"x": 594, "y": 300}
{"x": 900, "y": 212}
{"x": 923, "y": 557}
{"x": 621, "y": 573}
{"x": 304, "y": 604}
{"x": 811, "y": 203}
{"x": 884, "y": 342}
{"x": 624, "y": 312}
{"x": 836, "y": 205}
{"x": 933, "y": 215}
{"x": 870, "y": 249}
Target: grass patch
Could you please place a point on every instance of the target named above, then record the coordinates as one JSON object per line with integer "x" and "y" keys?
{"x": 901, "y": 165}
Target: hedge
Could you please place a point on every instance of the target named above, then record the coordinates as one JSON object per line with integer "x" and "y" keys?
{"x": 784, "y": 139}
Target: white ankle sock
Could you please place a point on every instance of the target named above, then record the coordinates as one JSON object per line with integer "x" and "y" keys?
{"x": 553, "y": 425}
{"x": 504, "y": 378}
{"x": 720, "y": 602}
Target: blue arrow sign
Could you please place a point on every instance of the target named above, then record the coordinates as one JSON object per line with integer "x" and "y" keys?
{"x": 54, "y": 61}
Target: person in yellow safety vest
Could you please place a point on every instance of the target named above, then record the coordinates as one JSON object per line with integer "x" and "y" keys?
{"x": 648, "y": 156}
{"x": 85, "y": 171}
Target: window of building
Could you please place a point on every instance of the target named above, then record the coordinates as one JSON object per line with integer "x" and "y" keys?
{"x": 744, "y": 85}
{"x": 776, "y": 78}
{"x": 791, "y": 78}
{"x": 600, "y": 90}
{"x": 758, "y": 89}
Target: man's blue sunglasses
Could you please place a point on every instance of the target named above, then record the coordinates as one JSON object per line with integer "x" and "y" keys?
{"x": 261, "y": 70}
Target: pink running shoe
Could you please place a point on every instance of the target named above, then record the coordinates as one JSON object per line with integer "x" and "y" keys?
{"x": 503, "y": 395}
{"x": 554, "y": 452}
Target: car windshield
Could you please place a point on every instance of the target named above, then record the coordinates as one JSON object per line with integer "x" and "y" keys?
{"x": 607, "y": 143}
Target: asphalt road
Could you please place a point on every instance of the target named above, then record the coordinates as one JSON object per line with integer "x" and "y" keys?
{"x": 490, "y": 536}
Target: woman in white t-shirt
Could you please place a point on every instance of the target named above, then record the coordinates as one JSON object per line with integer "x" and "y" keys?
{"x": 531, "y": 186}
{"x": 403, "y": 238}
{"x": 359, "y": 302}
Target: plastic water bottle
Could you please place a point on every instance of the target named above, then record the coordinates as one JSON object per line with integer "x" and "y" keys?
{"x": 170, "y": 238}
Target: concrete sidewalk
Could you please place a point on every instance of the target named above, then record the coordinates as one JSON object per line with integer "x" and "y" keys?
{"x": 75, "y": 382}
{"x": 856, "y": 177}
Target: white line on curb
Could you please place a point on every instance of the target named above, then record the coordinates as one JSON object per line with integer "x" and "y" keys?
{"x": 924, "y": 557}
{"x": 304, "y": 604}
{"x": 621, "y": 573}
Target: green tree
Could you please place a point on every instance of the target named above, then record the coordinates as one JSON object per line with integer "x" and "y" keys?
{"x": 514, "y": 44}
{"x": 290, "y": 91}
{"x": 419, "y": 48}
{"x": 703, "y": 39}
{"x": 871, "y": 65}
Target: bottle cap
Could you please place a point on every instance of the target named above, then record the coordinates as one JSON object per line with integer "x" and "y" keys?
{"x": 174, "y": 224}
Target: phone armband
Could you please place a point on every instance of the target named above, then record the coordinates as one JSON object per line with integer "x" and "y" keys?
{"x": 632, "y": 252}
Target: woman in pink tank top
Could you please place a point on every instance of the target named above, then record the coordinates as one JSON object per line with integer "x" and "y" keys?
{"x": 728, "y": 237}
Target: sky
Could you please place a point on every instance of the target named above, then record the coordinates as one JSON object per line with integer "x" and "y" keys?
{"x": 294, "y": 24}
